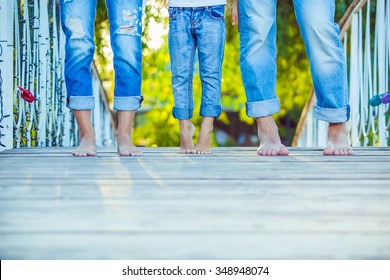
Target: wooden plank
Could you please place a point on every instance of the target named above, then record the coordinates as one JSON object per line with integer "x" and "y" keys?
{"x": 187, "y": 246}
{"x": 228, "y": 205}
{"x": 26, "y": 189}
{"x": 196, "y": 216}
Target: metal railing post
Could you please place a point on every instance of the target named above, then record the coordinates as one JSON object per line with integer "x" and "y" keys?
{"x": 32, "y": 56}
{"x": 6, "y": 74}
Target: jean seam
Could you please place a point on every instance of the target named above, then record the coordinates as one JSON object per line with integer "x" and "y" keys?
{"x": 222, "y": 54}
{"x": 190, "y": 78}
{"x": 177, "y": 12}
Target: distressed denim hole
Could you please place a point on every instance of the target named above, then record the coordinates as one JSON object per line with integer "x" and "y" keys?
{"x": 130, "y": 24}
{"x": 75, "y": 27}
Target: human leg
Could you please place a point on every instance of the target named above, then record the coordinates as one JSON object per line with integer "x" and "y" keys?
{"x": 125, "y": 29}
{"x": 124, "y": 135}
{"x": 77, "y": 19}
{"x": 327, "y": 63}
{"x": 87, "y": 140}
{"x": 258, "y": 67}
{"x": 210, "y": 36}
{"x": 182, "y": 46}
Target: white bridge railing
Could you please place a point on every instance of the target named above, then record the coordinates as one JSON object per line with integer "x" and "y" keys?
{"x": 365, "y": 31}
{"x": 31, "y": 56}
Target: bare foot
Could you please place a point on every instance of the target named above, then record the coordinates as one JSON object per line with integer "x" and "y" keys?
{"x": 204, "y": 140}
{"x": 270, "y": 144}
{"x": 338, "y": 140}
{"x": 126, "y": 146}
{"x": 123, "y": 134}
{"x": 87, "y": 146}
{"x": 187, "y": 130}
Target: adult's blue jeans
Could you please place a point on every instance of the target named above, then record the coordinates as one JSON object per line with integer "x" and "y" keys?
{"x": 200, "y": 28}
{"x": 125, "y": 19}
{"x": 325, "y": 51}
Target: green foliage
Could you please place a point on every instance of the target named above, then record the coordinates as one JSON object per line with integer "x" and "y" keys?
{"x": 155, "y": 125}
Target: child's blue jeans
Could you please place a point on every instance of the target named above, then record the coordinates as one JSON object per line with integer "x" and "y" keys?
{"x": 125, "y": 19}
{"x": 190, "y": 29}
{"x": 320, "y": 33}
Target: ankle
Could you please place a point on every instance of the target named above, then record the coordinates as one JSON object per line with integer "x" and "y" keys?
{"x": 337, "y": 128}
{"x": 207, "y": 125}
{"x": 185, "y": 125}
{"x": 122, "y": 134}
{"x": 207, "y": 128}
{"x": 266, "y": 125}
{"x": 87, "y": 135}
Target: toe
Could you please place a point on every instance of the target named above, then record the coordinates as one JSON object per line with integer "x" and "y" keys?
{"x": 284, "y": 151}
{"x": 328, "y": 152}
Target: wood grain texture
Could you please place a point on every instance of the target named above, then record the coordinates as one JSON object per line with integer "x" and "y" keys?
{"x": 228, "y": 205}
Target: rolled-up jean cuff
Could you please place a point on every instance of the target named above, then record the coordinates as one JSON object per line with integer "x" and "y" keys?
{"x": 263, "y": 108}
{"x": 330, "y": 115}
{"x": 210, "y": 111}
{"x": 182, "y": 114}
{"x": 81, "y": 103}
{"x": 127, "y": 103}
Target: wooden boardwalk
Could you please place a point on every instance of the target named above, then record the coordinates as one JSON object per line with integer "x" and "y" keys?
{"x": 228, "y": 205}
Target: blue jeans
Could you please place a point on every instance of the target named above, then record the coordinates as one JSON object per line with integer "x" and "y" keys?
{"x": 190, "y": 29}
{"x": 321, "y": 36}
{"x": 125, "y": 18}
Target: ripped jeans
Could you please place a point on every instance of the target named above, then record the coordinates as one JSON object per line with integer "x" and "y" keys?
{"x": 125, "y": 17}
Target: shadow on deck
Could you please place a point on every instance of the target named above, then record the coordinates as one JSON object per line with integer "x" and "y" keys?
{"x": 228, "y": 205}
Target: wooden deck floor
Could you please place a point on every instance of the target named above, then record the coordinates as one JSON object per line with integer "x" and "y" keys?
{"x": 228, "y": 205}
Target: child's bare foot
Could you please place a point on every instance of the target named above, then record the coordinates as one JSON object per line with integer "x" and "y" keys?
{"x": 87, "y": 146}
{"x": 126, "y": 146}
{"x": 270, "y": 144}
{"x": 338, "y": 140}
{"x": 204, "y": 140}
{"x": 187, "y": 130}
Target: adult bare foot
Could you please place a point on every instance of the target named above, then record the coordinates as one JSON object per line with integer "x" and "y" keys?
{"x": 338, "y": 140}
{"x": 204, "y": 139}
{"x": 123, "y": 134}
{"x": 187, "y": 130}
{"x": 126, "y": 146}
{"x": 270, "y": 144}
{"x": 87, "y": 146}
